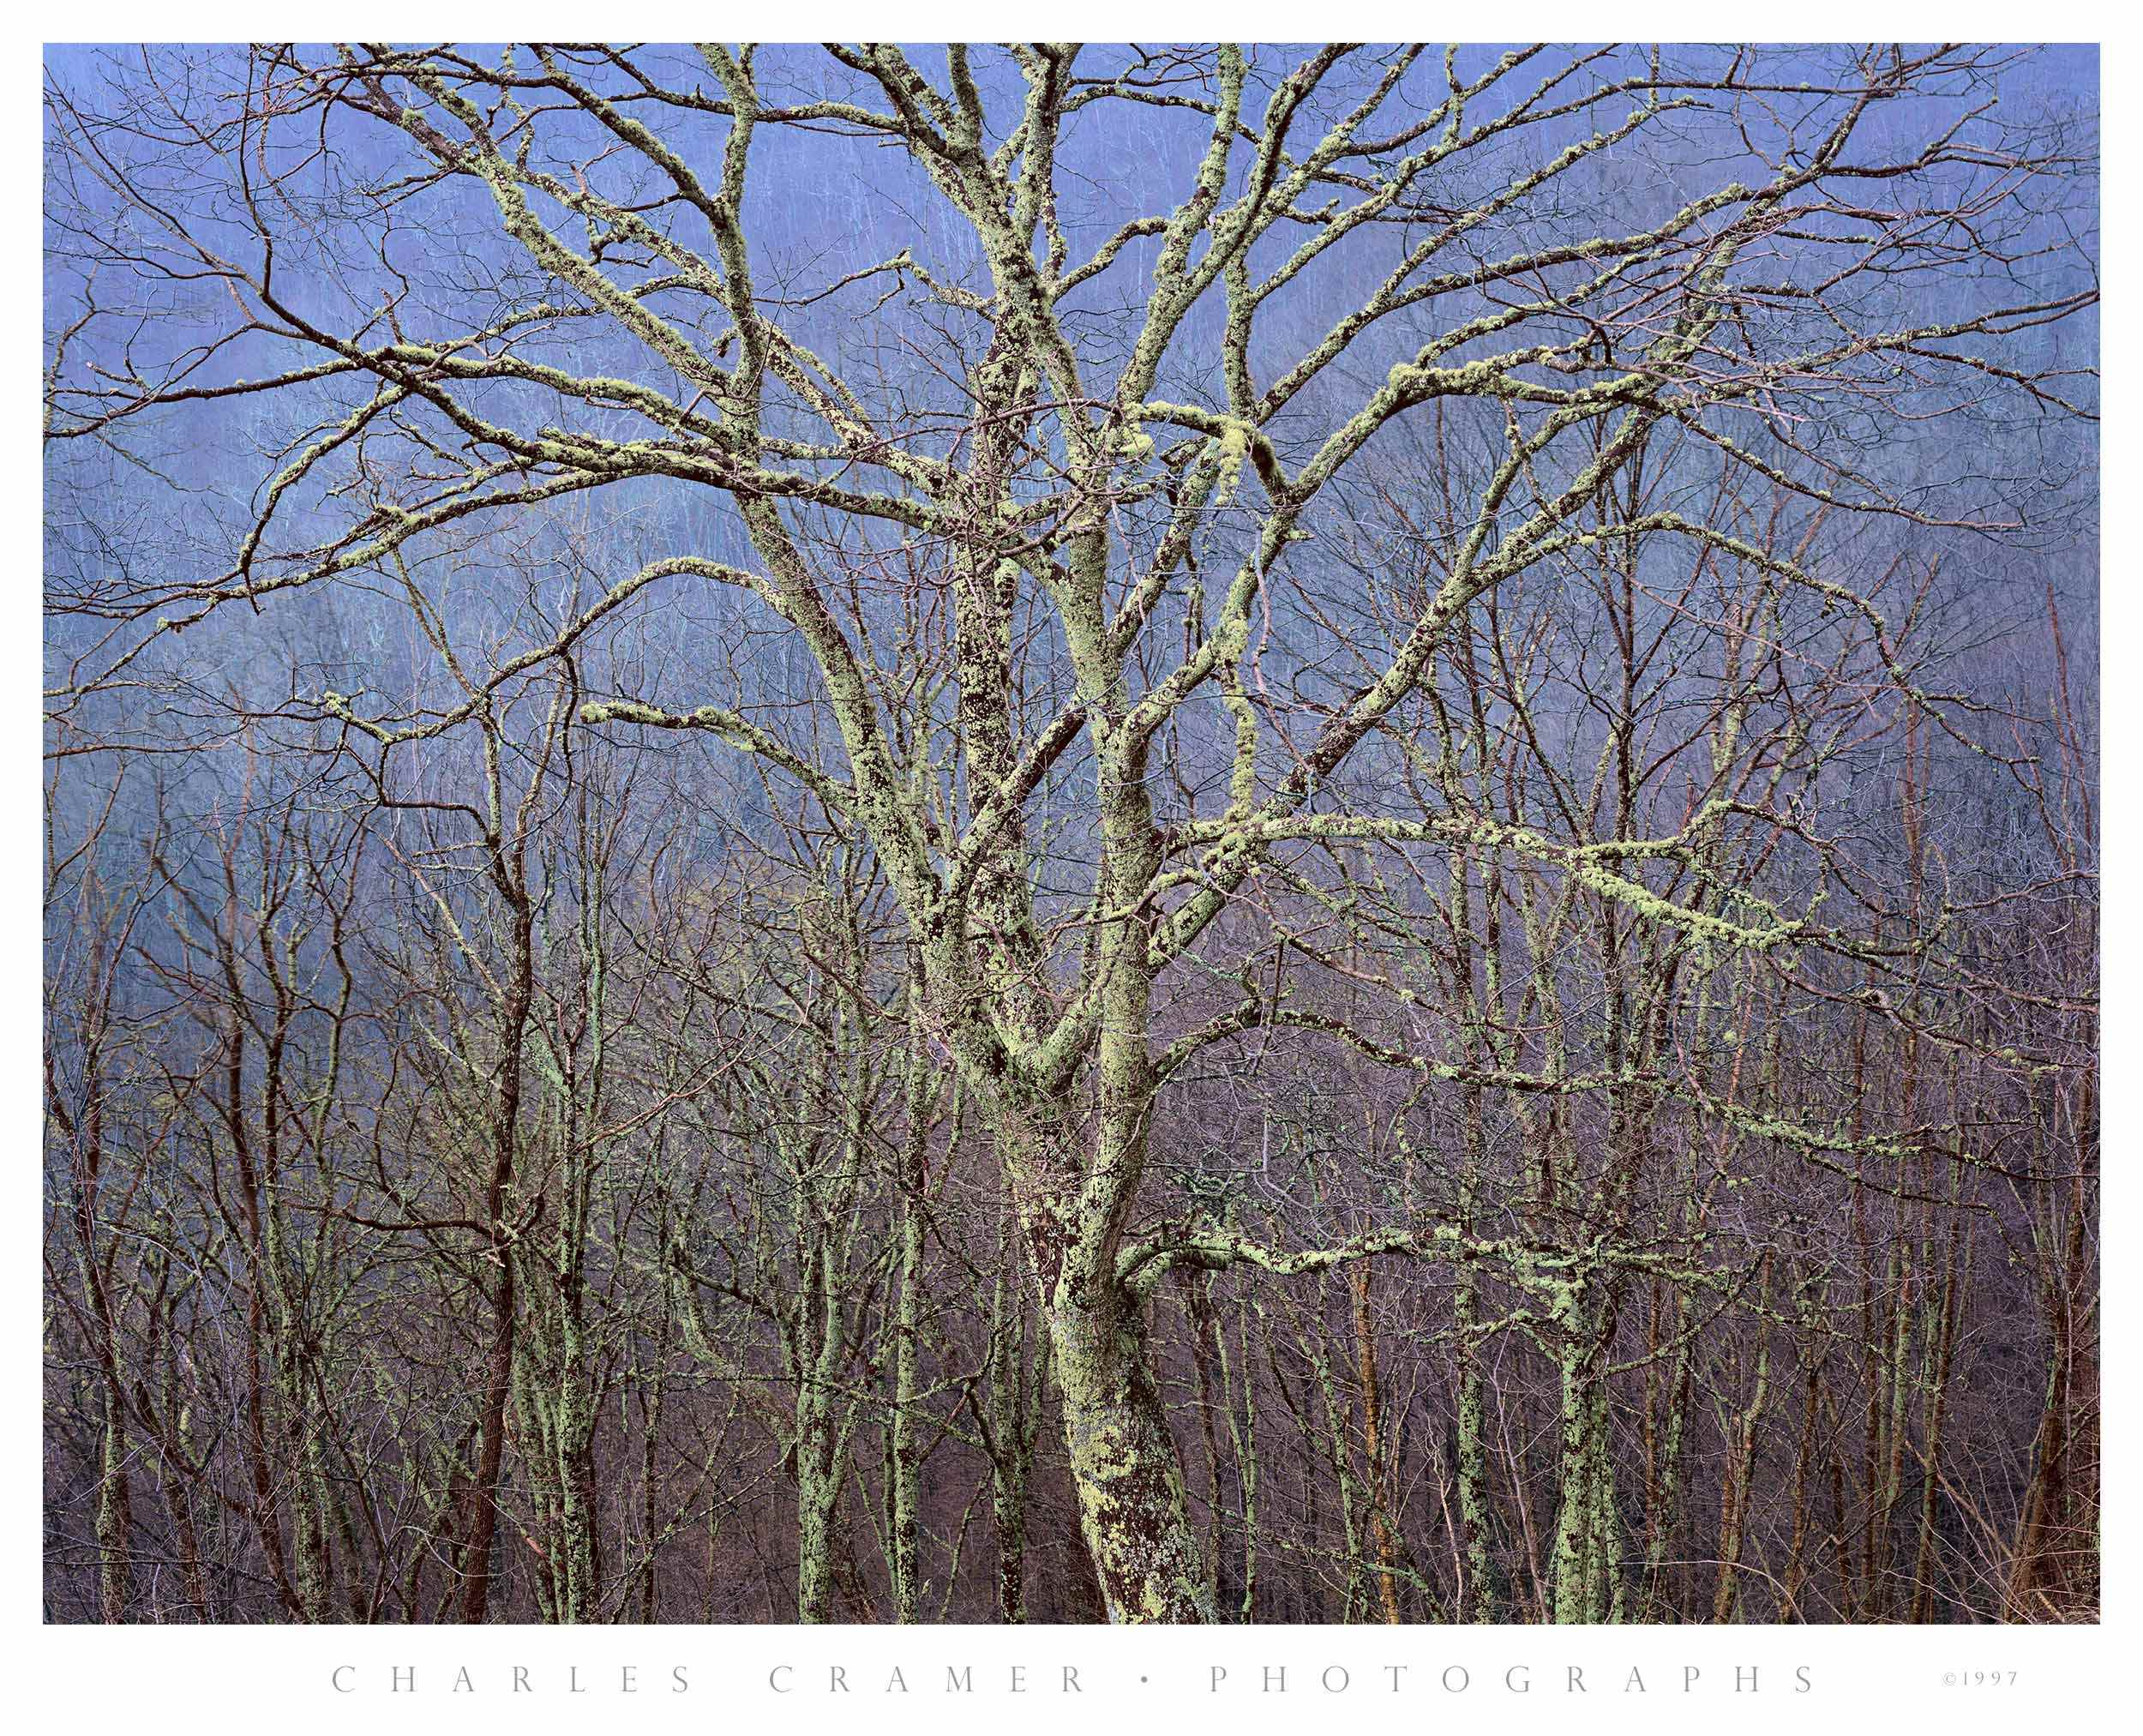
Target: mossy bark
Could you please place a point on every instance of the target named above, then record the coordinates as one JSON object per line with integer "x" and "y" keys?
{"x": 1124, "y": 1462}
{"x": 1586, "y": 1568}
{"x": 1126, "y": 1468}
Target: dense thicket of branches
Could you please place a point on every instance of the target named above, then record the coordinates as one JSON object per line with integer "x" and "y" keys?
{"x": 1049, "y": 833}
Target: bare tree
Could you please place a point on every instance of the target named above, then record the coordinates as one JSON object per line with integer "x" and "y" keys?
{"x": 1069, "y": 563}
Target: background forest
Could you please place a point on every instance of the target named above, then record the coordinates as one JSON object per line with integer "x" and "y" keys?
{"x": 1057, "y": 833}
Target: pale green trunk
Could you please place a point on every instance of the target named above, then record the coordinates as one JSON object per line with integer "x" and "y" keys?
{"x": 1124, "y": 1462}
{"x": 1586, "y": 1568}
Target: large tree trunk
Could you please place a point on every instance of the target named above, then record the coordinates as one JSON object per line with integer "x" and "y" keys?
{"x": 1125, "y": 1466}
{"x": 1123, "y": 1461}
{"x": 818, "y": 1509}
{"x": 1586, "y": 1565}
{"x": 1075, "y": 1175}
